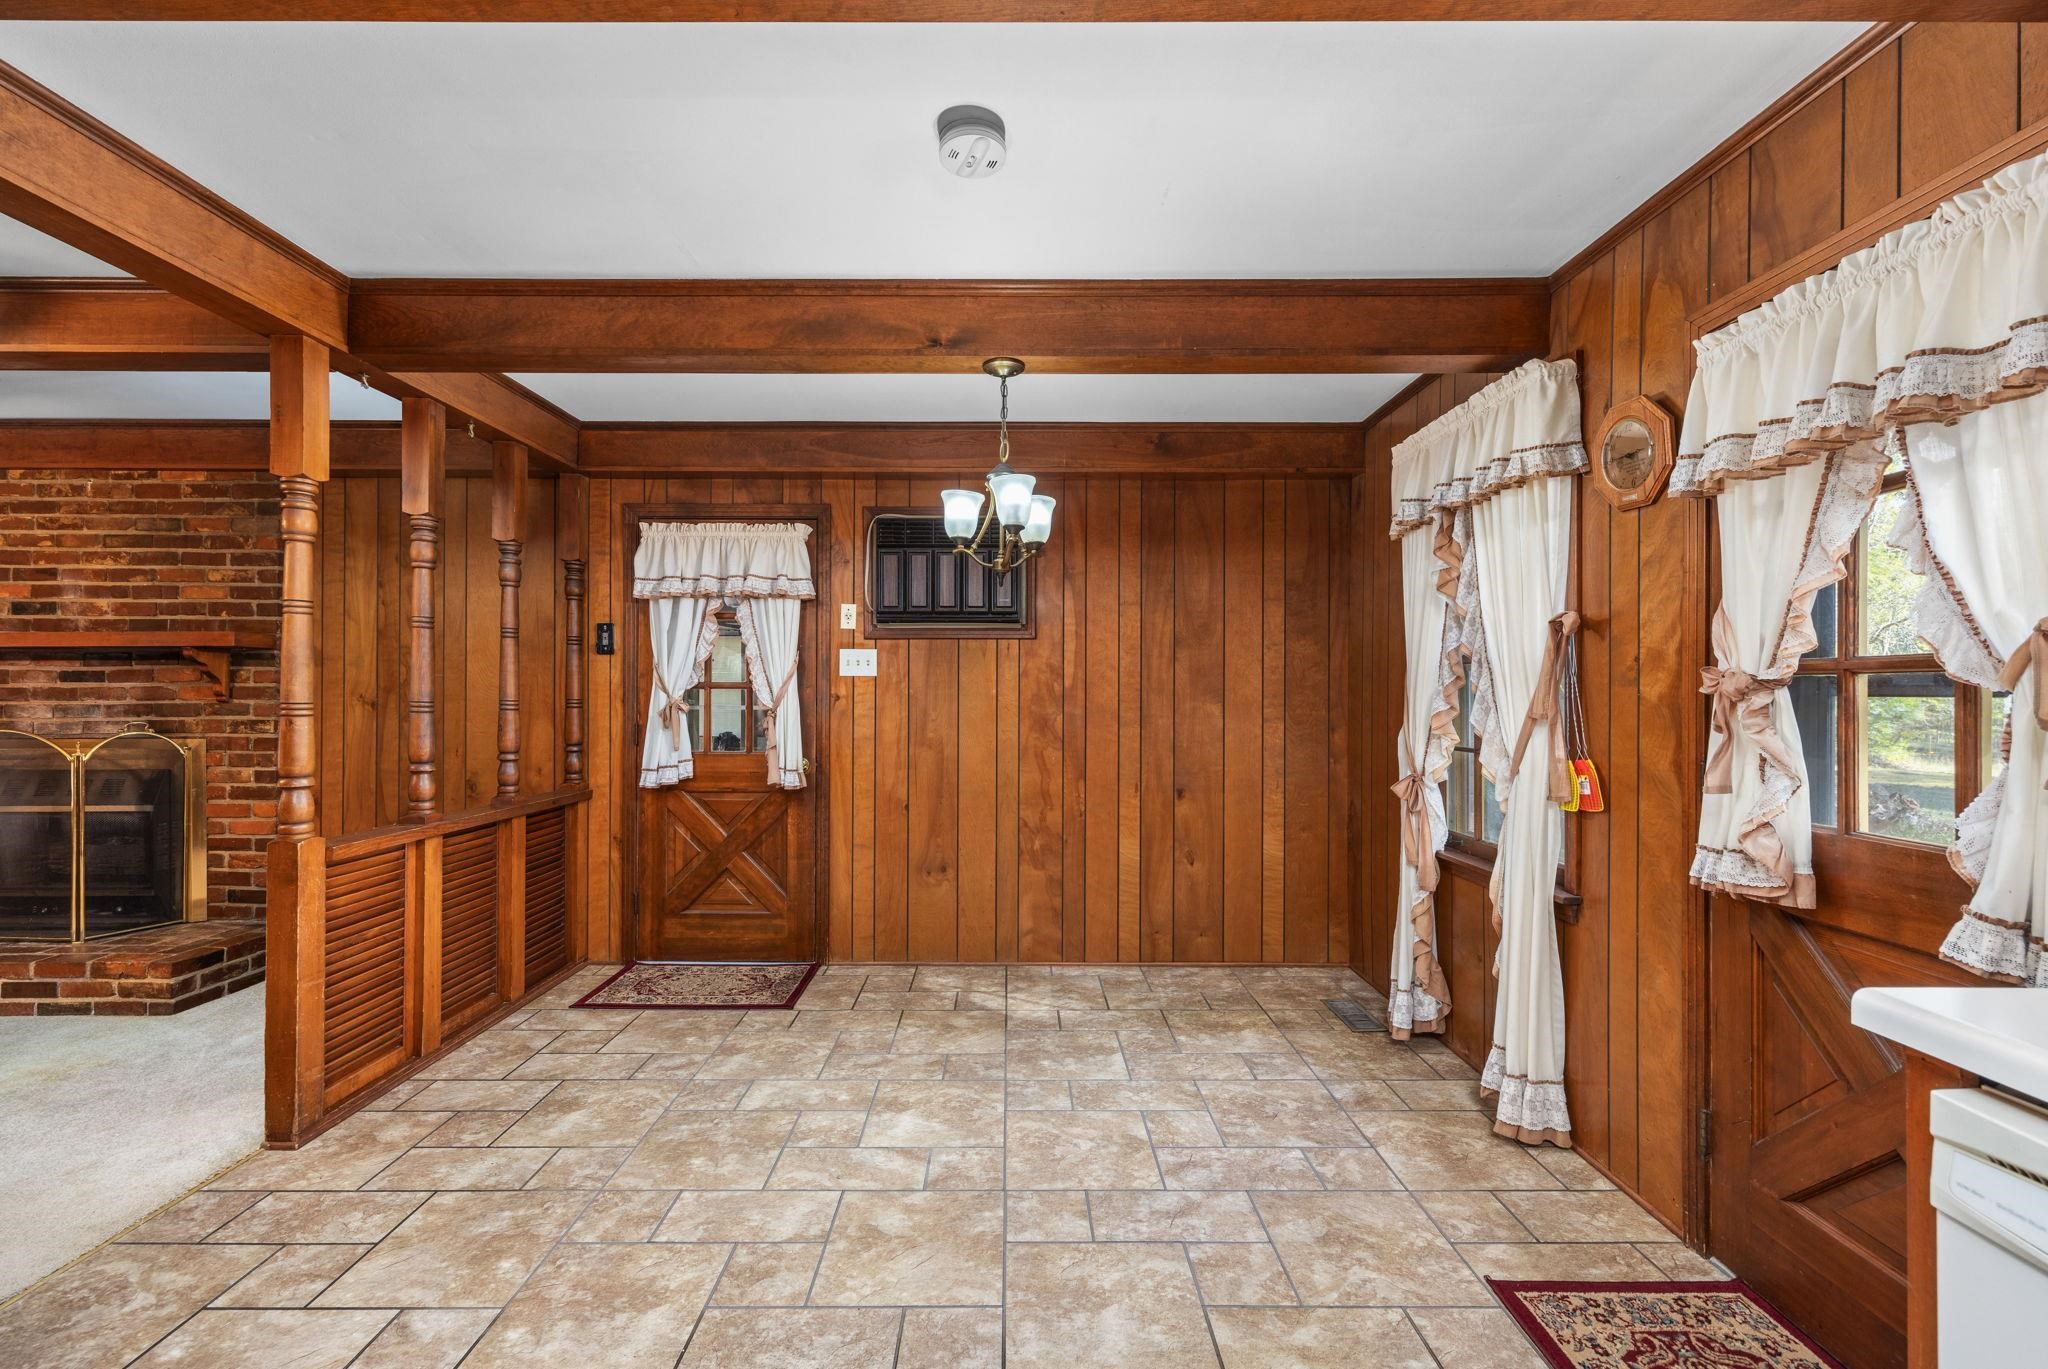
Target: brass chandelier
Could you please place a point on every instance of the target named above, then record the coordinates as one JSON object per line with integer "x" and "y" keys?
{"x": 1002, "y": 525}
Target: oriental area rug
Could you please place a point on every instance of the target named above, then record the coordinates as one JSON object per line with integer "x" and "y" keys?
{"x": 683, "y": 984}
{"x": 1657, "y": 1326}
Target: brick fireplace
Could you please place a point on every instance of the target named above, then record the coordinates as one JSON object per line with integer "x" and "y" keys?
{"x": 153, "y": 552}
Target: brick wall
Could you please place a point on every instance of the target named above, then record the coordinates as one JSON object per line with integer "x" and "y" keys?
{"x": 152, "y": 551}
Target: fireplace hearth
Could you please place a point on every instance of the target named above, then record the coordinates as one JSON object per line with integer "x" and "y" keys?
{"x": 100, "y": 836}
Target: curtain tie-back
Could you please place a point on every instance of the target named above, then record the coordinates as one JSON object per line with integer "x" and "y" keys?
{"x": 2031, "y": 653}
{"x": 674, "y": 716}
{"x": 1543, "y": 709}
{"x": 1741, "y": 700}
{"x": 1413, "y": 791}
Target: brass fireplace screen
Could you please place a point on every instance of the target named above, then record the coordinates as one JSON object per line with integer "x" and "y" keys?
{"x": 100, "y": 835}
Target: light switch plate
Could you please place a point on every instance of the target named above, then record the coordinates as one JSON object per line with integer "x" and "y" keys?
{"x": 849, "y": 615}
{"x": 857, "y": 660}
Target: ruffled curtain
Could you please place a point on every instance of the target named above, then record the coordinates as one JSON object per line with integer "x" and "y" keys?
{"x": 684, "y": 570}
{"x": 1486, "y": 544}
{"x": 1931, "y": 347}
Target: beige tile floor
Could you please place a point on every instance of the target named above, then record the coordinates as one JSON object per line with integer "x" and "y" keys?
{"x": 938, "y": 1166}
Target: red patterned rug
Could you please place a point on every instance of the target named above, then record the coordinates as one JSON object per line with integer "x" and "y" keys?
{"x": 683, "y": 984}
{"x": 1657, "y": 1326}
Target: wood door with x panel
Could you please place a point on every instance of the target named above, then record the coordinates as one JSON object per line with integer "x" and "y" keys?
{"x": 726, "y": 862}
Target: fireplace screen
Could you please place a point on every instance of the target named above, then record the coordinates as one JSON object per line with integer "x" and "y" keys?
{"x": 99, "y": 837}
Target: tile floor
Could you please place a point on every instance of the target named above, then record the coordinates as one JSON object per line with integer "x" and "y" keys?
{"x": 928, "y": 1167}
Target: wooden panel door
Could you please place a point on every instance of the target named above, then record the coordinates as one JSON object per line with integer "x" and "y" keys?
{"x": 725, "y": 861}
{"x": 1808, "y": 1169}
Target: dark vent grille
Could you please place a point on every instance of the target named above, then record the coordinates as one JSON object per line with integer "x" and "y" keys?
{"x": 919, "y": 582}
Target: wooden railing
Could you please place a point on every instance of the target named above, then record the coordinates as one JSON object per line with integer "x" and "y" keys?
{"x": 430, "y": 927}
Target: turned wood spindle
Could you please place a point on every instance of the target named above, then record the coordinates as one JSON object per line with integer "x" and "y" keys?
{"x": 298, "y": 660}
{"x": 508, "y": 528}
{"x": 423, "y": 469}
{"x": 572, "y": 673}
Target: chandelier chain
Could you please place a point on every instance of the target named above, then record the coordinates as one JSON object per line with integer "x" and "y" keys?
{"x": 1003, "y": 433}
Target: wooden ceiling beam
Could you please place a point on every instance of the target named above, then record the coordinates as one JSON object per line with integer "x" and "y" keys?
{"x": 793, "y": 449}
{"x": 1010, "y": 11}
{"x": 502, "y": 409}
{"x": 855, "y": 326}
{"x": 117, "y": 325}
{"x": 66, "y": 174}
{"x": 952, "y": 449}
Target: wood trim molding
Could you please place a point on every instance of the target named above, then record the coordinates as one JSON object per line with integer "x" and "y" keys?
{"x": 225, "y": 445}
{"x": 66, "y": 174}
{"x": 1865, "y": 46}
{"x": 101, "y": 324}
{"x": 935, "y": 326}
{"x": 1010, "y": 11}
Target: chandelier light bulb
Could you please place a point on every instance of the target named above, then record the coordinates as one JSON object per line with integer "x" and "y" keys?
{"x": 1038, "y": 523}
{"x": 963, "y": 512}
{"x": 1012, "y": 493}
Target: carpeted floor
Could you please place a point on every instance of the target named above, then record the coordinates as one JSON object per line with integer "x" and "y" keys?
{"x": 105, "y": 1119}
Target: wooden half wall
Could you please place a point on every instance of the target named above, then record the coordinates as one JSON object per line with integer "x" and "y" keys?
{"x": 1813, "y": 179}
{"x": 1160, "y": 774}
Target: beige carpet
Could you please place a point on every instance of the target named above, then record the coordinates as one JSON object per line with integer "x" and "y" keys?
{"x": 105, "y": 1119}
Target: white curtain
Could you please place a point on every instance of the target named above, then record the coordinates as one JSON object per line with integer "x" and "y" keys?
{"x": 1485, "y": 529}
{"x": 1931, "y": 348}
{"x": 768, "y": 631}
{"x": 683, "y": 632}
{"x": 684, "y": 570}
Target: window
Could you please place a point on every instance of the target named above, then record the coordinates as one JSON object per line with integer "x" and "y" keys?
{"x": 920, "y": 587}
{"x": 722, "y": 712}
{"x": 1470, "y": 803}
{"x": 1894, "y": 748}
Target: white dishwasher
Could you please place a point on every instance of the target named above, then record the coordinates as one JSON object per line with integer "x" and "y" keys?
{"x": 1990, "y": 1191}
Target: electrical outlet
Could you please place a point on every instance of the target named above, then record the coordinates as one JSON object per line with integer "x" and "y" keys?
{"x": 849, "y": 615}
{"x": 857, "y": 660}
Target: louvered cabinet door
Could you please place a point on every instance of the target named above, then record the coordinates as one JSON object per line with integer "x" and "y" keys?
{"x": 469, "y": 927}
{"x": 363, "y": 1023}
{"x": 547, "y": 895}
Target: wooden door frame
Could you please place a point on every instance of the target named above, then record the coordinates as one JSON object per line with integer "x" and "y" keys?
{"x": 814, "y": 695}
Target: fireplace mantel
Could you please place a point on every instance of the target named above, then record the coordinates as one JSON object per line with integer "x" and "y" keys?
{"x": 208, "y": 648}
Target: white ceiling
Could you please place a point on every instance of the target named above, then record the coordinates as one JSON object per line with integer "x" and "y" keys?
{"x": 732, "y": 150}
{"x": 1053, "y": 398}
{"x": 168, "y": 394}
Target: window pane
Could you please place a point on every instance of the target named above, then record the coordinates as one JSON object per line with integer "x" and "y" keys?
{"x": 728, "y": 720}
{"x": 1997, "y": 713}
{"x": 1814, "y": 709}
{"x": 1824, "y": 623}
{"x": 1886, "y": 588}
{"x": 1489, "y": 809}
{"x": 1464, "y": 720}
{"x": 1458, "y": 793}
{"x": 693, "y": 709}
{"x": 1908, "y": 728}
{"x": 760, "y": 729}
{"x": 728, "y": 659}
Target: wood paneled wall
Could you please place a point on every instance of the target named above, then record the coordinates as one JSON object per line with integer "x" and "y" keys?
{"x": 362, "y": 608}
{"x": 1161, "y": 773}
{"x": 1909, "y": 114}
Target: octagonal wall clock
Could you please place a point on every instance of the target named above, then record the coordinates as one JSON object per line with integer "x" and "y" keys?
{"x": 1633, "y": 452}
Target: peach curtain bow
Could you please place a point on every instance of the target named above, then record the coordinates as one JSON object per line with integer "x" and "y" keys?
{"x": 1543, "y": 708}
{"x": 2031, "y": 654}
{"x": 1420, "y": 851}
{"x": 1741, "y": 700}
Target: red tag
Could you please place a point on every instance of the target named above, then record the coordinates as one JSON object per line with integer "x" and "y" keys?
{"x": 1587, "y": 778}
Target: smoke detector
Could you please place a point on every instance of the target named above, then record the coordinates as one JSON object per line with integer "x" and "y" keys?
{"x": 971, "y": 142}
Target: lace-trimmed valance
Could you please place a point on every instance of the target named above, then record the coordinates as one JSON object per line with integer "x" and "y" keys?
{"x": 723, "y": 561}
{"x": 1945, "y": 316}
{"x": 1524, "y": 425}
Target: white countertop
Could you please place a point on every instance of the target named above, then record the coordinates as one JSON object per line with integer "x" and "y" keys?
{"x": 1999, "y": 1034}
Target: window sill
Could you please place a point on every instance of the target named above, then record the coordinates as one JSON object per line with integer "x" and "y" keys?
{"x": 1477, "y": 866}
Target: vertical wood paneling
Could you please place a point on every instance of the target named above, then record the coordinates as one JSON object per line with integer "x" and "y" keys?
{"x": 1104, "y": 703}
{"x": 1244, "y": 692}
{"x": 1958, "y": 94}
{"x": 1795, "y": 182}
{"x": 1073, "y": 555}
{"x": 1308, "y": 720}
{"x": 1870, "y": 135}
{"x": 975, "y": 787}
{"x": 1129, "y": 722}
{"x": 1273, "y": 723}
{"x": 2033, "y": 73}
{"x": 892, "y": 768}
{"x": 1729, "y": 250}
{"x": 1041, "y": 767}
{"x": 1198, "y": 736}
{"x": 1155, "y": 784}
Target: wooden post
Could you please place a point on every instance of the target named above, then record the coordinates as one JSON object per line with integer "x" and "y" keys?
{"x": 512, "y": 910}
{"x": 572, "y": 493}
{"x": 508, "y": 529}
{"x": 295, "y": 930}
{"x": 423, "y": 463}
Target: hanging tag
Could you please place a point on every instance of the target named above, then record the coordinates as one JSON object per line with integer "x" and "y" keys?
{"x": 1571, "y": 805}
{"x": 1588, "y": 799}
